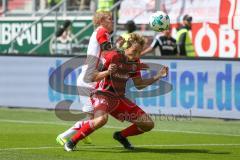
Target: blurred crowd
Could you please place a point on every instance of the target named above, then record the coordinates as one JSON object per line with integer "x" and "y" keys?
{"x": 82, "y": 5}
{"x": 72, "y": 5}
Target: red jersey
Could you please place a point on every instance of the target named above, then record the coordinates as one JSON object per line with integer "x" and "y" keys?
{"x": 116, "y": 82}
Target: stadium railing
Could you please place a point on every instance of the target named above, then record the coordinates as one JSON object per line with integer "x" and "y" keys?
{"x": 53, "y": 9}
{"x": 40, "y": 7}
{"x": 114, "y": 10}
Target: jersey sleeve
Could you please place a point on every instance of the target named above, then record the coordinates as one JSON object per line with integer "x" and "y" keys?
{"x": 155, "y": 42}
{"x": 102, "y": 36}
{"x": 110, "y": 57}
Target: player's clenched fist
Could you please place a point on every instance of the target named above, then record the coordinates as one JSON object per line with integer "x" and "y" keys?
{"x": 112, "y": 68}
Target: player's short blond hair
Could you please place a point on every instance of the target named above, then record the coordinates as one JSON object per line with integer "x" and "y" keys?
{"x": 135, "y": 38}
{"x": 100, "y": 16}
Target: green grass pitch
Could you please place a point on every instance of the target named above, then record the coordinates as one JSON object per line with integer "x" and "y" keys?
{"x": 29, "y": 134}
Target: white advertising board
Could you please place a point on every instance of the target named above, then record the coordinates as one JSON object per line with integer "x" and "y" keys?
{"x": 206, "y": 88}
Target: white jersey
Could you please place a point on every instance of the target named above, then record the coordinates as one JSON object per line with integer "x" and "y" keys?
{"x": 99, "y": 36}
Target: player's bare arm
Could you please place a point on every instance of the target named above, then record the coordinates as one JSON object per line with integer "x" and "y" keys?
{"x": 142, "y": 83}
{"x": 98, "y": 76}
{"x": 149, "y": 49}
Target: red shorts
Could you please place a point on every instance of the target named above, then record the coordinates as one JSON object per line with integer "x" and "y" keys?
{"x": 120, "y": 108}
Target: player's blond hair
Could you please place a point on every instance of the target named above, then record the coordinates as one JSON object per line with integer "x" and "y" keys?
{"x": 100, "y": 16}
{"x": 135, "y": 39}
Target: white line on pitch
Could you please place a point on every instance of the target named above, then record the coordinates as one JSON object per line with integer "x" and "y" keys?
{"x": 113, "y": 127}
{"x": 32, "y": 122}
{"x": 99, "y": 147}
{"x": 28, "y": 148}
{"x": 179, "y": 131}
{"x": 184, "y": 145}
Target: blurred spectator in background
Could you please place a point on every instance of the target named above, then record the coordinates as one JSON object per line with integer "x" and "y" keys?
{"x": 131, "y": 27}
{"x": 72, "y": 5}
{"x": 184, "y": 39}
{"x": 82, "y": 5}
{"x": 106, "y": 5}
{"x": 63, "y": 41}
{"x": 65, "y": 29}
{"x": 52, "y": 3}
{"x": 85, "y": 4}
{"x": 93, "y": 5}
{"x": 166, "y": 43}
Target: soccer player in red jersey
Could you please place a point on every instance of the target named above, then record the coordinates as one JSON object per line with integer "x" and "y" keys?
{"x": 109, "y": 97}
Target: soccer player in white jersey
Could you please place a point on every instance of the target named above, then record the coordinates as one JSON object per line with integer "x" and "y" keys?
{"x": 99, "y": 42}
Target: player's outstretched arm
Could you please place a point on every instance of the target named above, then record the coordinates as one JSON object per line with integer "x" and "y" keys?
{"x": 149, "y": 49}
{"x": 98, "y": 76}
{"x": 142, "y": 83}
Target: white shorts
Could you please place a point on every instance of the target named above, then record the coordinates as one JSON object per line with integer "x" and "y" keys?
{"x": 86, "y": 104}
{"x": 84, "y": 94}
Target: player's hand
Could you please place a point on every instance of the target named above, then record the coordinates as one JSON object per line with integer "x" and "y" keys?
{"x": 112, "y": 68}
{"x": 162, "y": 73}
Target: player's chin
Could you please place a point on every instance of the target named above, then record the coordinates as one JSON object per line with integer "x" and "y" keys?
{"x": 132, "y": 58}
{"x": 111, "y": 31}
